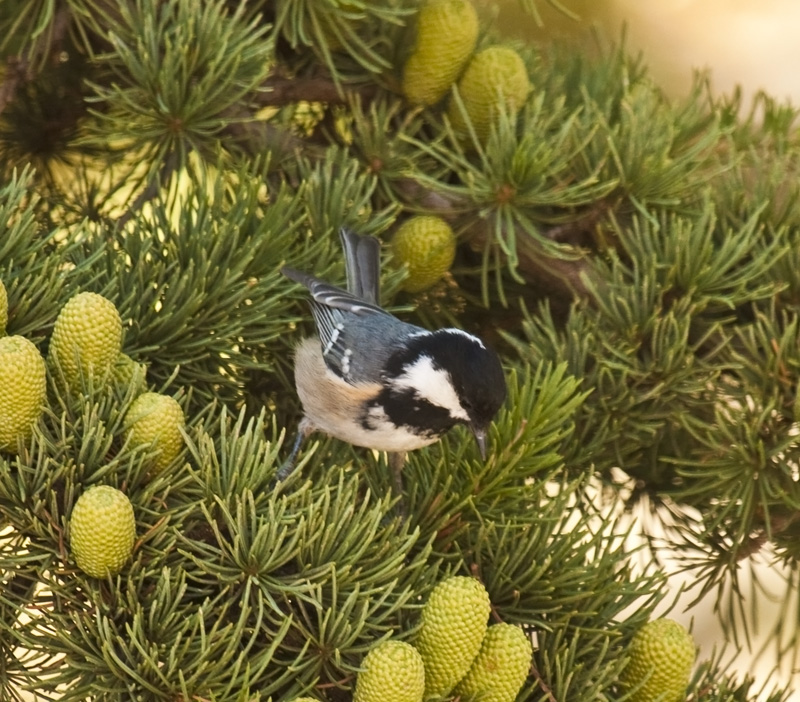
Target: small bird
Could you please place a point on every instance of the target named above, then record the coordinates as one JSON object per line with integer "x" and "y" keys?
{"x": 375, "y": 381}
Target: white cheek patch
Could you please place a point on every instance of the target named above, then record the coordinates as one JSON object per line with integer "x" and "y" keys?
{"x": 432, "y": 384}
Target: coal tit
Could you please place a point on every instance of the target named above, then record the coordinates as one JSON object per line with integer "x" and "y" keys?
{"x": 375, "y": 381}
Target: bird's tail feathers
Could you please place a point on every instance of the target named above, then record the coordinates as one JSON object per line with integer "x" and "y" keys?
{"x": 362, "y": 263}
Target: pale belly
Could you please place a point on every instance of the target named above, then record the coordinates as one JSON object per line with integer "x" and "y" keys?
{"x": 334, "y": 407}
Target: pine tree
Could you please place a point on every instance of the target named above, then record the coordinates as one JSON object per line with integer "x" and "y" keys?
{"x": 634, "y": 259}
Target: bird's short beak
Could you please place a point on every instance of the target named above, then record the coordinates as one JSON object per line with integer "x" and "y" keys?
{"x": 480, "y": 437}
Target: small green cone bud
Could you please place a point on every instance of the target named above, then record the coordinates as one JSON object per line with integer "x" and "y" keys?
{"x": 393, "y": 672}
{"x": 454, "y": 622}
{"x": 86, "y": 338}
{"x": 127, "y": 371}
{"x": 3, "y": 308}
{"x": 446, "y": 34}
{"x": 427, "y": 246}
{"x": 102, "y": 531}
{"x": 497, "y": 75}
{"x": 661, "y": 658}
{"x": 502, "y": 664}
{"x": 155, "y": 419}
{"x": 22, "y": 390}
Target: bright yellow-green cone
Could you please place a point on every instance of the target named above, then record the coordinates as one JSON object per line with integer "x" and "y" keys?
{"x": 501, "y": 667}
{"x": 393, "y": 672}
{"x": 454, "y": 622}
{"x": 22, "y": 390}
{"x": 495, "y": 76}
{"x": 86, "y": 338}
{"x": 102, "y": 531}
{"x": 155, "y": 419}
{"x": 446, "y": 34}
{"x": 3, "y": 308}
{"x": 661, "y": 658}
{"x": 427, "y": 246}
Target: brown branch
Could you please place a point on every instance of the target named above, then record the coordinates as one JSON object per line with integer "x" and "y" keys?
{"x": 19, "y": 68}
{"x": 16, "y": 73}
{"x": 537, "y": 267}
{"x": 61, "y": 21}
{"x": 447, "y": 207}
{"x": 281, "y": 90}
{"x": 539, "y": 679}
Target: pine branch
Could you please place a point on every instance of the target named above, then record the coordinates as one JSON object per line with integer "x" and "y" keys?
{"x": 634, "y": 259}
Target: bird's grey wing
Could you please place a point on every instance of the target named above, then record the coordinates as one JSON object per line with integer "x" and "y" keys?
{"x": 353, "y": 333}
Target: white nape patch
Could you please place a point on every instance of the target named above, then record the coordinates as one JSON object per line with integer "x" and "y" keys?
{"x": 452, "y": 330}
{"x": 432, "y": 384}
{"x": 469, "y": 336}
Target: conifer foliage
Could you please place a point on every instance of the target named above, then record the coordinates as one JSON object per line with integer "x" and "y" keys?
{"x": 634, "y": 259}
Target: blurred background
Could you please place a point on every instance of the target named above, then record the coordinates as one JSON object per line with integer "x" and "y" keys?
{"x": 754, "y": 44}
{"x": 746, "y": 45}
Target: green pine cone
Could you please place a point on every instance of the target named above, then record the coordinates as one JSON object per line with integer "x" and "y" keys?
{"x": 155, "y": 419}
{"x": 3, "y": 308}
{"x": 426, "y": 246}
{"x": 454, "y": 622}
{"x": 495, "y": 76}
{"x": 661, "y": 659}
{"x": 102, "y": 531}
{"x": 22, "y": 390}
{"x": 502, "y": 664}
{"x": 446, "y": 34}
{"x": 86, "y": 338}
{"x": 393, "y": 672}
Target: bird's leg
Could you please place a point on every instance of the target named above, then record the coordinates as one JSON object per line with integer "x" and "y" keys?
{"x": 303, "y": 430}
{"x": 396, "y": 462}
